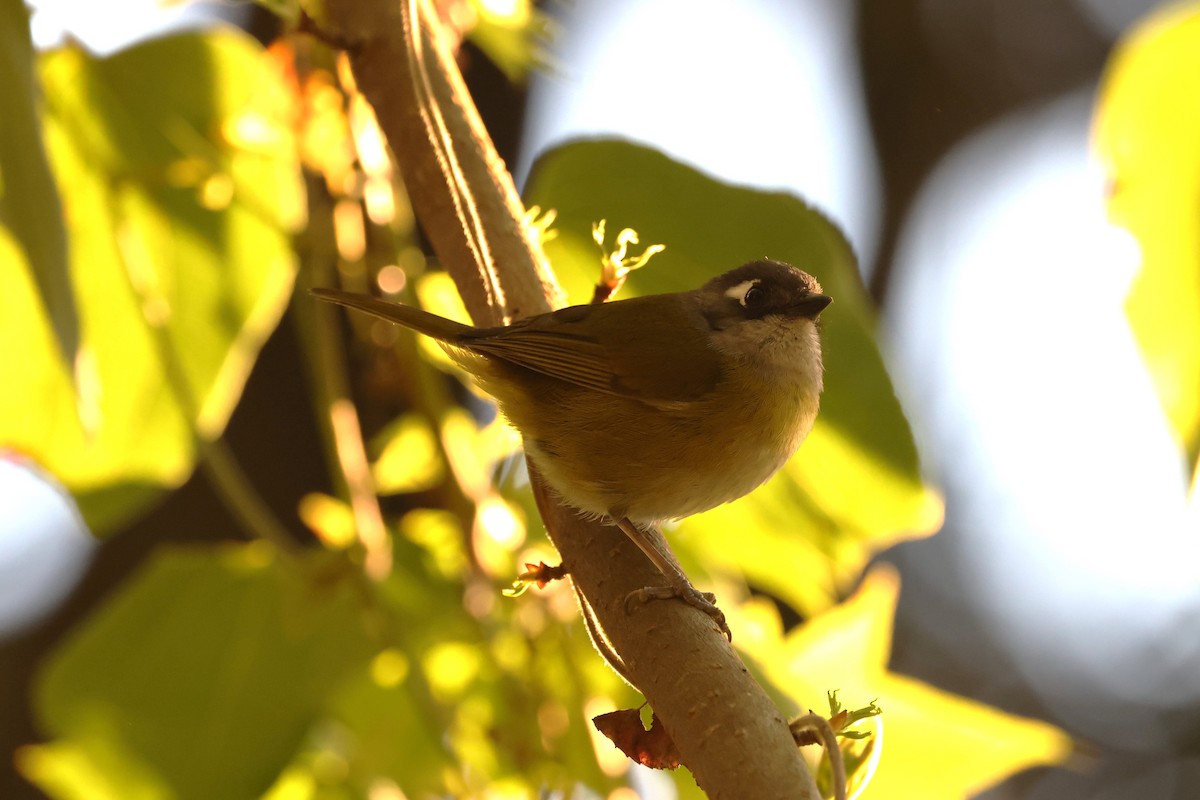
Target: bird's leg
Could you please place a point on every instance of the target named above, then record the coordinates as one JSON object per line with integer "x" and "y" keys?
{"x": 656, "y": 549}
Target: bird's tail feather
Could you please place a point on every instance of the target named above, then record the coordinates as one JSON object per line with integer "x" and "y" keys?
{"x": 440, "y": 328}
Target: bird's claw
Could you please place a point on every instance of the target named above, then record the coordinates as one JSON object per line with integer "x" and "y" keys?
{"x": 704, "y": 601}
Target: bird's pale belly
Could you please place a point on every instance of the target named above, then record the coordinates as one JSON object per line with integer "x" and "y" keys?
{"x": 701, "y": 458}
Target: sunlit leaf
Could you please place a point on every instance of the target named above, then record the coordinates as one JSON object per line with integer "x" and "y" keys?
{"x": 512, "y": 33}
{"x": 180, "y": 187}
{"x": 934, "y": 745}
{"x": 855, "y": 486}
{"x": 331, "y": 519}
{"x": 406, "y": 457}
{"x": 202, "y": 676}
{"x": 29, "y": 206}
{"x": 1148, "y": 135}
{"x": 98, "y": 768}
{"x": 462, "y": 701}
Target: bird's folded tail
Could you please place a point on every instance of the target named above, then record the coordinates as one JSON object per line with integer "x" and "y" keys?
{"x": 440, "y": 328}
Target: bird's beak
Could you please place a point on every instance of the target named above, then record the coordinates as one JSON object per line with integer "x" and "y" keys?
{"x": 811, "y": 306}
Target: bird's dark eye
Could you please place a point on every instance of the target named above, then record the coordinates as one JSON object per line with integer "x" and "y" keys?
{"x": 754, "y": 296}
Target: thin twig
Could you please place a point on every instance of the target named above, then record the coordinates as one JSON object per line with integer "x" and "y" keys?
{"x": 368, "y": 517}
{"x": 320, "y": 334}
{"x": 837, "y": 765}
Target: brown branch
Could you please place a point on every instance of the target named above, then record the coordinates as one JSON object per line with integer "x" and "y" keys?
{"x": 728, "y": 731}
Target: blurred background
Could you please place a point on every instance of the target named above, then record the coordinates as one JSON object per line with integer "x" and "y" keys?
{"x": 953, "y": 141}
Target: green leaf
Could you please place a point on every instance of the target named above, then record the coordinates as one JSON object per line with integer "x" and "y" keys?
{"x": 855, "y": 485}
{"x": 201, "y": 679}
{"x": 1148, "y": 135}
{"x": 512, "y": 34}
{"x": 406, "y": 457}
{"x": 923, "y": 731}
{"x": 180, "y": 186}
{"x": 29, "y": 205}
{"x": 463, "y": 701}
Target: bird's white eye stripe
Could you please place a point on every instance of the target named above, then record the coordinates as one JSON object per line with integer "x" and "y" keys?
{"x": 738, "y": 291}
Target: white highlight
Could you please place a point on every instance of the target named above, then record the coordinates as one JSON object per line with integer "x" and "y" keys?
{"x": 1017, "y": 366}
{"x": 739, "y": 291}
{"x": 686, "y": 76}
{"x": 105, "y": 28}
{"x": 44, "y": 545}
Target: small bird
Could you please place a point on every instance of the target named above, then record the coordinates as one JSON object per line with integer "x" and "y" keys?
{"x": 653, "y": 408}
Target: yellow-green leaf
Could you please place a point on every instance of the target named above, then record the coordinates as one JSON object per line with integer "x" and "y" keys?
{"x": 406, "y": 456}
{"x": 200, "y": 679}
{"x": 1148, "y": 135}
{"x": 935, "y": 745}
{"x": 180, "y": 187}
{"x": 512, "y": 34}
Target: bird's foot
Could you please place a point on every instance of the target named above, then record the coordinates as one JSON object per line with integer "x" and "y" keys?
{"x": 705, "y": 601}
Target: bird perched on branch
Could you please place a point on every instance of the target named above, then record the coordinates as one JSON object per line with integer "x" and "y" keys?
{"x": 653, "y": 408}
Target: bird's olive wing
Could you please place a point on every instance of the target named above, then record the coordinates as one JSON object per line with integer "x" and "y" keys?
{"x": 644, "y": 348}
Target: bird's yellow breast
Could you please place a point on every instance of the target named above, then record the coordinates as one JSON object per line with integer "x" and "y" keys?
{"x": 616, "y": 456}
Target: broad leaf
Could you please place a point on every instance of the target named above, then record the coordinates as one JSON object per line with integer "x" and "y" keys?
{"x": 180, "y": 186}
{"x": 199, "y": 680}
{"x": 855, "y": 486}
{"x": 934, "y": 745}
{"x": 1148, "y": 134}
